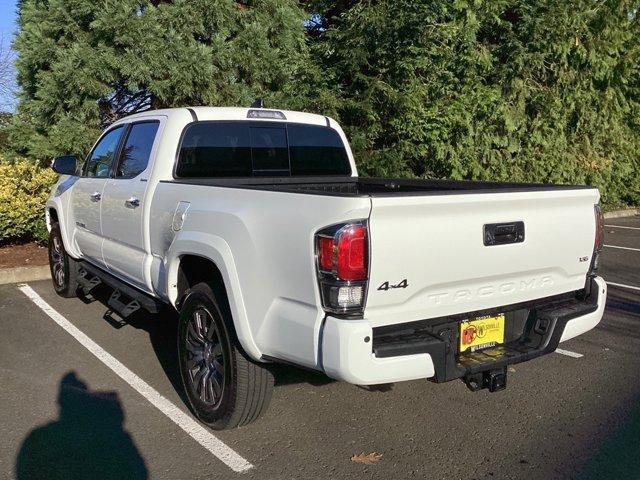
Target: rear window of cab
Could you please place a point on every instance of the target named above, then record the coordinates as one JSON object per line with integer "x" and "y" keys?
{"x": 219, "y": 149}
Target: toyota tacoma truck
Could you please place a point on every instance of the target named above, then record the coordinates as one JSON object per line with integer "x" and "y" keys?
{"x": 253, "y": 224}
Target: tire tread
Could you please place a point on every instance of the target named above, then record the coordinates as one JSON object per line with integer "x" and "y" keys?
{"x": 70, "y": 291}
{"x": 253, "y": 382}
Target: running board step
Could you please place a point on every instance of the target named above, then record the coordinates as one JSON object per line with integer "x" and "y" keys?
{"x": 87, "y": 281}
{"x": 136, "y": 298}
{"x": 123, "y": 309}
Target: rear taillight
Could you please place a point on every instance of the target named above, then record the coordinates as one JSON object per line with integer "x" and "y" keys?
{"x": 351, "y": 255}
{"x": 598, "y": 241}
{"x": 325, "y": 253}
{"x": 342, "y": 253}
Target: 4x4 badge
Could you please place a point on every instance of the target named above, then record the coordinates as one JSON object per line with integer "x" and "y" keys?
{"x": 386, "y": 286}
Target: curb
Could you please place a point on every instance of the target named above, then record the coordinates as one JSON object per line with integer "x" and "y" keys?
{"x": 629, "y": 212}
{"x": 24, "y": 274}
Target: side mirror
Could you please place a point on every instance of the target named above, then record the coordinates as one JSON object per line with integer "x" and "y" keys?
{"x": 65, "y": 165}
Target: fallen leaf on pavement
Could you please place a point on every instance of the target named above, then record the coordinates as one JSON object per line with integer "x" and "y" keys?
{"x": 367, "y": 459}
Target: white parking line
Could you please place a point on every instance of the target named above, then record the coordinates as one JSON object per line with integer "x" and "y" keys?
{"x": 199, "y": 433}
{"x": 569, "y": 353}
{"x": 620, "y": 226}
{"x": 622, "y": 285}
{"x": 623, "y": 248}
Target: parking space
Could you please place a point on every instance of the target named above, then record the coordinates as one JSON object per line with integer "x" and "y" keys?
{"x": 561, "y": 416}
{"x": 622, "y": 237}
{"x": 63, "y": 409}
{"x": 621, "y": 256}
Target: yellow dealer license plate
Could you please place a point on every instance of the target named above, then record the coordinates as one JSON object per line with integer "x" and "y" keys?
{"x": 480, "y": 333}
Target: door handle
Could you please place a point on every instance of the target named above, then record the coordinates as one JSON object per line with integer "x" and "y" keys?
{"x": 503, "y": 233}
{"x": 133, "y": 202}
{"x": 96, "y": 196}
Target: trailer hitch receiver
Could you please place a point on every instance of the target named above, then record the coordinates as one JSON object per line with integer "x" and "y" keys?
{"x": 493, "y": 380}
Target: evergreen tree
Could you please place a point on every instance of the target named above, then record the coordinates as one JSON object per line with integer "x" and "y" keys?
{"x": 514, "y": 90}
{"x": 83, "y": 64}
{"x": 506, "y": 90}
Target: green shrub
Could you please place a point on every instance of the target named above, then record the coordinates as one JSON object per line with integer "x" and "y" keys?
{"x": 507, "y": 90}
{"x": 24, "y": 188}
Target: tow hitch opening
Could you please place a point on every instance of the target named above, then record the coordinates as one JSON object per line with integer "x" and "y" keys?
{"x": 493, "y": 380}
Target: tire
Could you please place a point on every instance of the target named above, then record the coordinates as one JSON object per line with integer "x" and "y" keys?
{"x": 225, "y": 388}
{"x": 64, "y": 269}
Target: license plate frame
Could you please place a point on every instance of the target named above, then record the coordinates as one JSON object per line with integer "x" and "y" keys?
{"x": 480, "y": 333}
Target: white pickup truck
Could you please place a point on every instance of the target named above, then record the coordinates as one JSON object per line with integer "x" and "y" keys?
{"x": 253, "y": 224}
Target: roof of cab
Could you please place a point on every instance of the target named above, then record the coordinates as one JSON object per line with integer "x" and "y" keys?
{"x": 232, "y": 113}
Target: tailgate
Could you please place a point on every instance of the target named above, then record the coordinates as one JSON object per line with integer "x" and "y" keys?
{"x": 429, "y": 258}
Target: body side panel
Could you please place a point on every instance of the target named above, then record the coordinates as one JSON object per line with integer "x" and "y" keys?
{"x": 266, "y": 246}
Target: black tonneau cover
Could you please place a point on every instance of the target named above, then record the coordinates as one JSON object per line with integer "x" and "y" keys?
{"x": 374, "y": 187}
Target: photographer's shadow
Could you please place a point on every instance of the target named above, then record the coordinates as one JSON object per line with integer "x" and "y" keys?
{"x": 87, "y": 441}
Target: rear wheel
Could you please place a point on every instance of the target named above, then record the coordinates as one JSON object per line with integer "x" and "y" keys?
{"x": 64, "y": 269}
{"x": 225, "y": 388}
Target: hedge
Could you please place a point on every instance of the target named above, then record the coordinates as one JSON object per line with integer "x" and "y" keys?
{"x": 24, "y": 188}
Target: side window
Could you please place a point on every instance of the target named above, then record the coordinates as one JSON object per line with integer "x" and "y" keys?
{"x": 137, "y": 149}
{"x": 100, "y": 159}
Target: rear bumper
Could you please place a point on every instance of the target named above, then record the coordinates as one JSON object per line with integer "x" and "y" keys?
{"x": 582, "y": 324}
{"x": 354, "y": 352}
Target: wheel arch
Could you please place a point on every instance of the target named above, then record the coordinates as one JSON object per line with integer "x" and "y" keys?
{"x": 197, "y": 257}
{"x": 193, "y": 269}
{"x": 54, "y": 212}
{"x": 52, "y": 217}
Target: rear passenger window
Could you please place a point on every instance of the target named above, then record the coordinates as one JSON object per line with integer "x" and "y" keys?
{"x": 100, "y": 159}
{"x": 137, "y": 149}
{"x": 316, "y": 150}
{"x": 215, "y": 150}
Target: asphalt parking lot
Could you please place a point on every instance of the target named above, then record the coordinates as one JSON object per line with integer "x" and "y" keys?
{"x": 66, "y": 414}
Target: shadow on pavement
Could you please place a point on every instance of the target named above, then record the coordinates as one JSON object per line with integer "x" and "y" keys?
{"x": 289, "y": 375}
{"x": 617, "y": 457}
{"x": 623, "y": 303}
{"x": 87, "y": 441}
{"x": 163, "y": 329}
{"x": 622, "y": 314}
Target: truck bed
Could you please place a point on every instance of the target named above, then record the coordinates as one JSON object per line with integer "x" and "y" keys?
{"x": 372, "y": 187}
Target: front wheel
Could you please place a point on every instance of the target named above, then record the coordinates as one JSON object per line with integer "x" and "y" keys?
{"x": 225, "y": 388}
{"x": 64, "y": 269}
